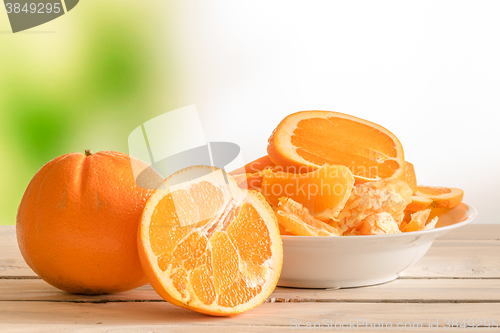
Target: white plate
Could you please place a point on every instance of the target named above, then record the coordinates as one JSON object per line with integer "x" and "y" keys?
{"x": 355, "y": 261}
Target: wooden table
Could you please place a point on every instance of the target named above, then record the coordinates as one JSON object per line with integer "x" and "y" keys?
{"x": 458, "y": 279}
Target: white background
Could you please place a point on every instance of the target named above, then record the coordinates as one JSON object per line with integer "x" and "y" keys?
{"x": 429, "y": 71}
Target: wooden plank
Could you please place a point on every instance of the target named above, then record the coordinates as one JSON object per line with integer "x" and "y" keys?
{"x": 458, "y": 259}
{"x": 76, "y": 328}
{"x": 19, "y": 328}
{"x": 267, "y": 314}
{"x": 469, "y": 232}
{"x": 401, "y": 290}
{"x": 446, "y": 258}
{"x": 12, "y": 263}
{"x": 474, "y": 232}
{"x": 8, "y": 235}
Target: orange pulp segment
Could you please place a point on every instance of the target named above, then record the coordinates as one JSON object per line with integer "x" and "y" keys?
{"x": 323, "y": 192}
{"x": 419, "y": 203}
{"x": 311, "y": 139}
{"x": 208, "y": 246}
{"x": 410, "y": 176}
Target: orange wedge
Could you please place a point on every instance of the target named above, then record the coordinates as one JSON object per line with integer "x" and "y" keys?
{"x": 419, "y": 203}
{"x": 417, "y": 221}
{"x": 250, "y": 176}
{"x": 308, "y": 140}
{"x": 207, "y": 245}
{"x": 323, "y": 192}
{"x": 443, "y": 197}
{"x": 410, "y": 176}
{"x": 295, "y": 219}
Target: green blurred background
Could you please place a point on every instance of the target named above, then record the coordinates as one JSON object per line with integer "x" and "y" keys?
{"x": 83, "y": 81}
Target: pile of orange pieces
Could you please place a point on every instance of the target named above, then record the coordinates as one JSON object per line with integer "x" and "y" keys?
{"x": 332, "y": 174}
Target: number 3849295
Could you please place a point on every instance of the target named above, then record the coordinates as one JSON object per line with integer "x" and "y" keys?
{"x": 33, "y": 8}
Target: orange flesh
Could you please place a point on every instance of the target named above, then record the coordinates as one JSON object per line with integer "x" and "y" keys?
{"x": 342, "y": 141}
{"x": 410, "y": 176}
{"x": 223, "y": 267}
{"x": 433, "y": 190}
{"x": 326, "y": 188}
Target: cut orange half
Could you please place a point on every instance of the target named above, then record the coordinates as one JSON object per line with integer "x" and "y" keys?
{"x": 207, "y": 245}
{"x": 311, "y": 139}
{"x": 443, "y": 197}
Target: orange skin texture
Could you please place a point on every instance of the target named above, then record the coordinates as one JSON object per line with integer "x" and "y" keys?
{"x": 77, "y": 223}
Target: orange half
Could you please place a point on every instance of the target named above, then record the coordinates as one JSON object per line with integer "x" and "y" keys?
{"x": 311, "y": 139}
{"x": 207, "y": 245}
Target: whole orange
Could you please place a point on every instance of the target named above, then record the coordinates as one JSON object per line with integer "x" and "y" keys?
{"x": 77, "y": 223}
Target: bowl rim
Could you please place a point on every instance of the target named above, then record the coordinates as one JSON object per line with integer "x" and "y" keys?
{"x": 472, "y": 214}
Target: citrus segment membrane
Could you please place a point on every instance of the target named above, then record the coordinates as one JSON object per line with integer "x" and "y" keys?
{"x": 389, "y": 196}
{"x": 420, "y": 221}
{"x": 295, "y": 219}
{"x": 210, "y": 246}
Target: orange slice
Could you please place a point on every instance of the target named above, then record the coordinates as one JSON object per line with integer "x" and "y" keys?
{"x": 310, "y": 139}
{"x": 295, "y": 219}
{"x": 323, "y": 192}
{"x": 443, "y": 197}
{"x": 207, "y": 245}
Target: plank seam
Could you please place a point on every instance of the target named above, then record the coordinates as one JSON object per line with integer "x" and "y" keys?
{"x": 286, "y": 300}
{"x": 20, "y": 278}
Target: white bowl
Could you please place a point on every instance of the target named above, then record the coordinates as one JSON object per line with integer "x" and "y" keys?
{"x": 355, "y": 261}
